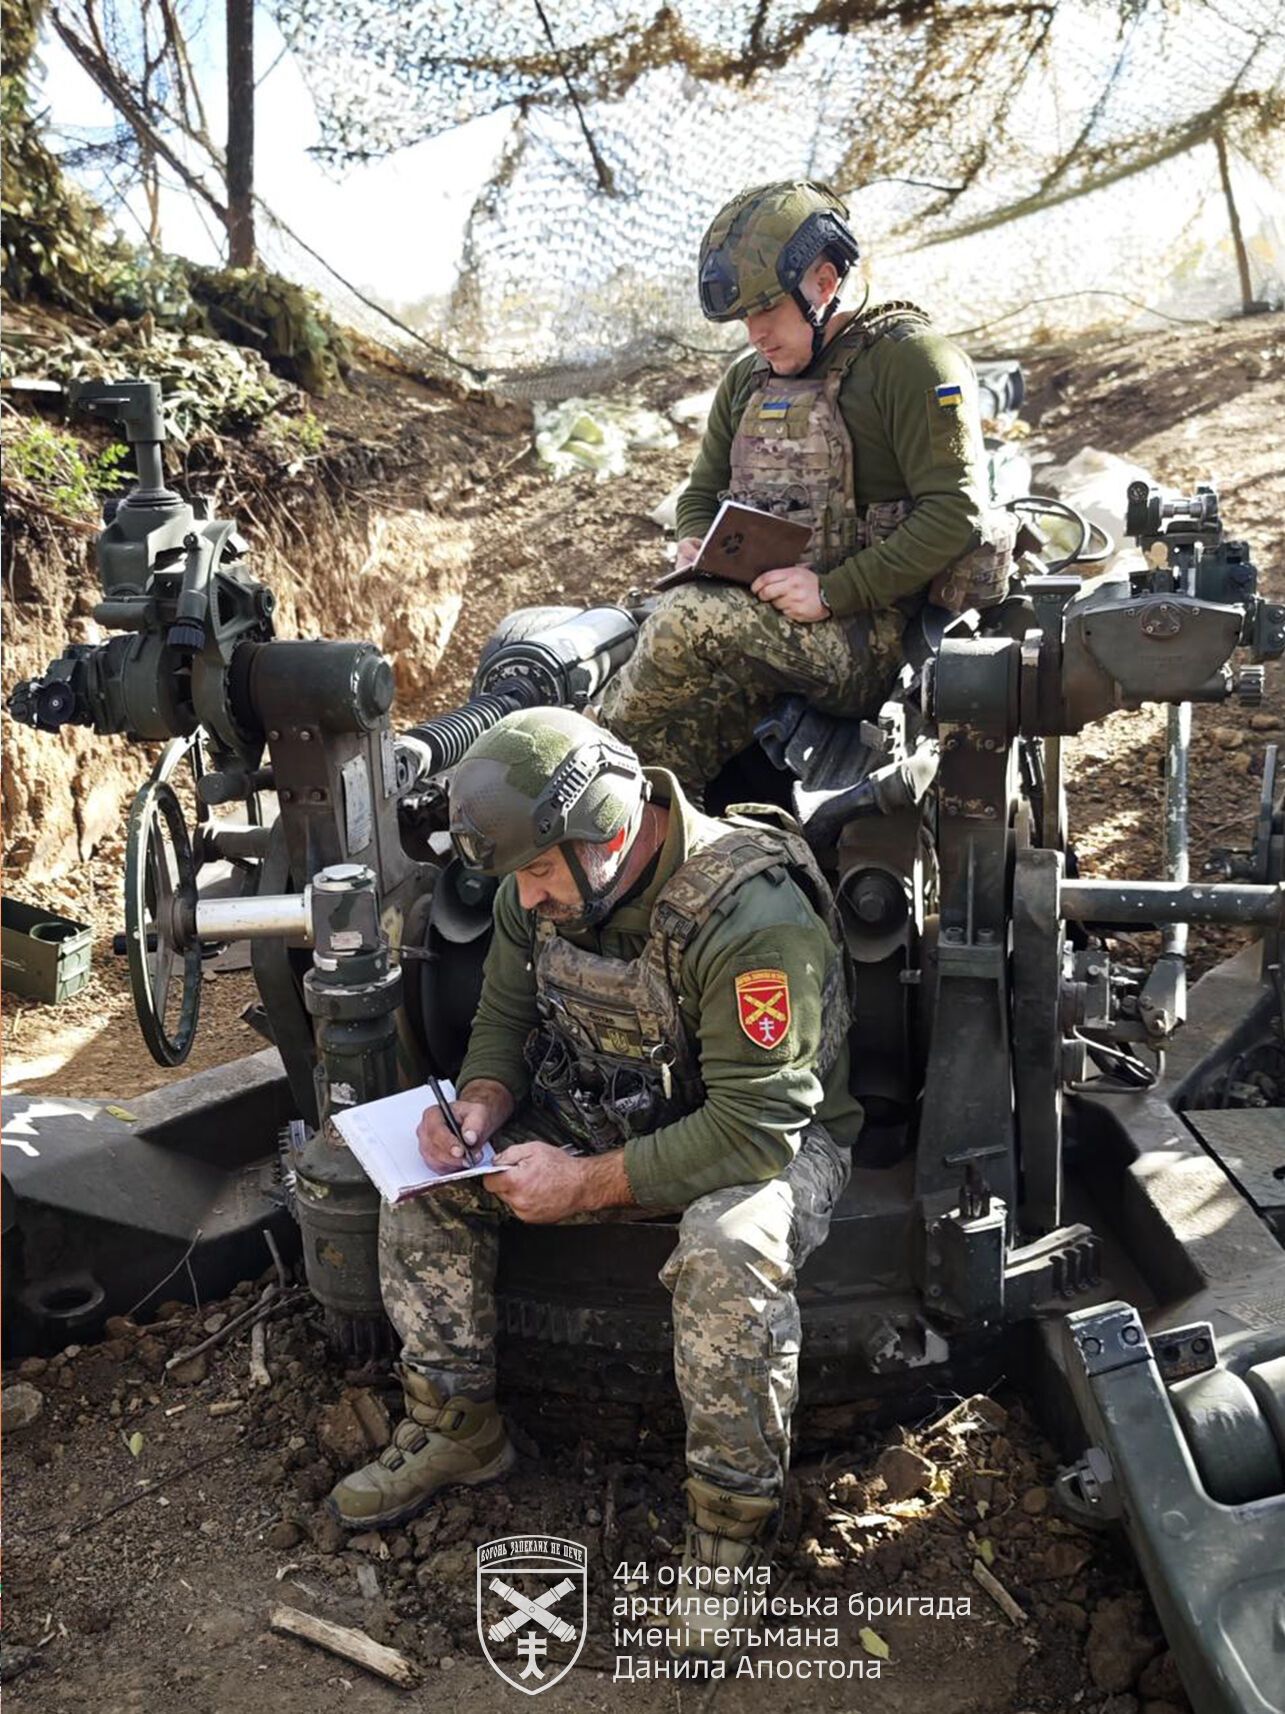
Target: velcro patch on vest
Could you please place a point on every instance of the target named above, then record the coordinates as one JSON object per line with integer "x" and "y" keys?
{"x": 763, "y": 1006}
{"x": 774, "y": 409}
{"x": 949, "y": 395}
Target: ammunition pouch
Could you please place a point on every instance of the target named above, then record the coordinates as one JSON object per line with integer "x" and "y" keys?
{"x": 600, "y": 1100}
{"x": 979, "y": 577}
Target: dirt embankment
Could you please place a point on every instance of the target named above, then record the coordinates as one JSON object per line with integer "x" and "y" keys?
{"x": 371, "y": 537}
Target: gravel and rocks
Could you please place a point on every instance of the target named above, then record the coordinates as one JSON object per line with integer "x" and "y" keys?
{"x": 149, "y": 1538}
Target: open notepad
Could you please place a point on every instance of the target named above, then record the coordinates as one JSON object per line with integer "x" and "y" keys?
{"x": 382, "y": 1136}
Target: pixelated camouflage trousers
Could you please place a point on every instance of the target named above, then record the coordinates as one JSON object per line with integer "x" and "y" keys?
{"x": 712, "y": 659}
{"x": 731, "y": 1276}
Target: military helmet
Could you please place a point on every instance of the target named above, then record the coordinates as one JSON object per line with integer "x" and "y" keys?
{"x": 536, "y": 779}
{"x": 759, "y": 247}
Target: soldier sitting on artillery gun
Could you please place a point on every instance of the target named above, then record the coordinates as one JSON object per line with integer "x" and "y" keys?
{"x": 862, "y": 425}
{"x": 662, "y": 1028}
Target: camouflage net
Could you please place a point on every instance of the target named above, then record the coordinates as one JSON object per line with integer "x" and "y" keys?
{"x": 209, "y": 386}
{"x": 1021, "y": 169}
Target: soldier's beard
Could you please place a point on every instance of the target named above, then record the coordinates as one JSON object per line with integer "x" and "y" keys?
{"x": 602, "y": 870}
{"x": 559, "y": 913}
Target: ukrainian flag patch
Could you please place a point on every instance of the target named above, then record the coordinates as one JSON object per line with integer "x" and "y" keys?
{"x": 948, "y": 394}
{"x": 774, "y": 408}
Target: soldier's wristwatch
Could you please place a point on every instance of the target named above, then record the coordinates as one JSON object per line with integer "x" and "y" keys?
{"x": 822, "y": 599}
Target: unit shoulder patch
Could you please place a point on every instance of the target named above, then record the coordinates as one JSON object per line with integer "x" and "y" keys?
{"x": 763, "y": 1006}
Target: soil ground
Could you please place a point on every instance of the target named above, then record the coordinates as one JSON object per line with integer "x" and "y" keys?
{"x": 157, "y": 1516}
{"x": 141, "y": 1575}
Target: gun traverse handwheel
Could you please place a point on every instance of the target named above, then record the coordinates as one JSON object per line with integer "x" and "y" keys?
{"x": 184, "y": 764}
{"x": 164, "y": 974}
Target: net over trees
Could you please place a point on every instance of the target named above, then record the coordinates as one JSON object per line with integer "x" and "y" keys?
{"x": 1018, "y": 168}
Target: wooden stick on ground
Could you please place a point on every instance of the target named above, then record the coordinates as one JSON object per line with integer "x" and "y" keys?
{"x": 351, "y": 1645}
{"x": 259, "y": 1375}
{"x": 229, "y": 1327}
{"x": 270, "y": 1301}
{"x": 998, "y": 1594}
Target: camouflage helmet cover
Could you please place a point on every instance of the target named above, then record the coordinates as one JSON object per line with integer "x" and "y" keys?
{"x": 761, "y": 244}
{"x": 537, "y": 779}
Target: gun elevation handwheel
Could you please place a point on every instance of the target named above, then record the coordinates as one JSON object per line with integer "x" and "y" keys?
{"x": 160, "y": 873}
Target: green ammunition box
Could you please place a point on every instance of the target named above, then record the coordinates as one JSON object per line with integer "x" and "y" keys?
{"x": 45, "y": 956}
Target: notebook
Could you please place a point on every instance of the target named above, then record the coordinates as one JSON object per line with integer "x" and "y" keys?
{"x": 742, "y": 542}
{"x": 382, "y": 1136}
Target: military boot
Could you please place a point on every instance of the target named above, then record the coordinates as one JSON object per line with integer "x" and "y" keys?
{"x": 441, "y": 1442}
{"x": 727, "y": 1533}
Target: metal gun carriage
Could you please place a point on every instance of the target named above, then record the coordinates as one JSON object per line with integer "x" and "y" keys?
{"x": 1051, "y": 1127}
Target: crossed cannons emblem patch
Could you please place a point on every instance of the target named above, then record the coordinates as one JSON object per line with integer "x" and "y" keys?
{"x": 763, "y": 1006}
{"x": 532, "y": 1592}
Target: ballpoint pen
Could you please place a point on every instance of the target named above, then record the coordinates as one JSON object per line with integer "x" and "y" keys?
{"x": 452, "y": 1123}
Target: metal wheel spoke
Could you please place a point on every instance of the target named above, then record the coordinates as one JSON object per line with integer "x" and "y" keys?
{"x": 162, "y": 971}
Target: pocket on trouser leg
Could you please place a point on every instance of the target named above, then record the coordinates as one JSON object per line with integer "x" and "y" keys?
{"x": 786, "y": 657}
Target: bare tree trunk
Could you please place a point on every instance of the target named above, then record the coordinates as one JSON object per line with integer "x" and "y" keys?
{"x": 152, "y": 192}
{"x": 240, "y": 167}
{"x": 1233, "y": 220}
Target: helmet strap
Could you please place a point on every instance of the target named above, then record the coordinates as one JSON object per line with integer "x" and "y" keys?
{"x": 817, "y": 319}
{"x": 599, "y": 900}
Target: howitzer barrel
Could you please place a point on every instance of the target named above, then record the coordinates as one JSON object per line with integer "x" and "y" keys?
{"x": 1141, "y": 902}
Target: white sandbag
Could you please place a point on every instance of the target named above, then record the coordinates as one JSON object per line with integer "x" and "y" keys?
{"x": 693, "y": 411}
{"x": 597, "y": 435}
{"x": 666, "y": 514}
{"x": 1096, "y": 483}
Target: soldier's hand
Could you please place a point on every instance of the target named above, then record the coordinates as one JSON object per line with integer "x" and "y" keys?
{"x": 688, "y": 548}
{"x": 438, "y": 1147}
{"x": 544, "y": 1183}
{"x": 795, "y": 591}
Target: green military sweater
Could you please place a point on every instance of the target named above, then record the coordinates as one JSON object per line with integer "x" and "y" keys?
{"x": 757, "y": 1100}
{"x": 907, "y": 445}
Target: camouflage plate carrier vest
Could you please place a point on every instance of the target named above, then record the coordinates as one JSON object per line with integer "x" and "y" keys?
{"x": 792, "y": 454}
{"x": 613, "y": 1057}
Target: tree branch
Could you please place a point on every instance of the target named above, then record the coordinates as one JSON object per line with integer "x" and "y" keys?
{"x": 104, "y": 75}
{"x": 186, "y": 83}
{"x": 606, "y": 179}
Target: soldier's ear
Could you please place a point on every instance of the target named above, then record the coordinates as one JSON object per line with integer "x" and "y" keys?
{"x": 821, "y": 282}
